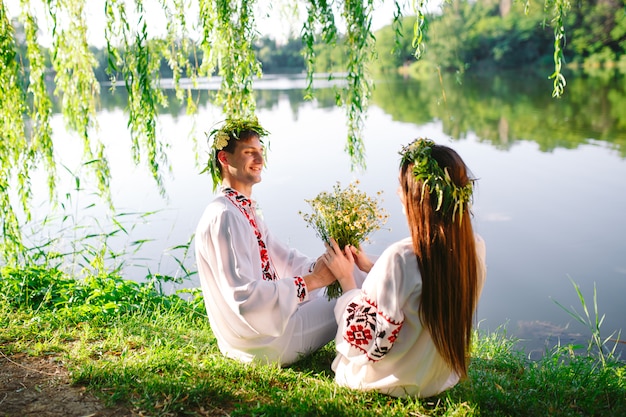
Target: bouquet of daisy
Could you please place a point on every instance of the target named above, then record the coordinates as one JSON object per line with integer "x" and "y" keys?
{"x": 347, "y": 215}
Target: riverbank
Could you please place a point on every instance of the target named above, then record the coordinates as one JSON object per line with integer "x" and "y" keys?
{"x": 123, "y": 348}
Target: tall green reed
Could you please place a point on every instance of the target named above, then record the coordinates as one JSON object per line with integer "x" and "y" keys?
{"x": 87, "y": 240}
{"x": 597, "y": 345}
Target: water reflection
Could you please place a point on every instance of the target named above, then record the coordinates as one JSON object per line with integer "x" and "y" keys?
{"x": 500, "y": 109}
{"x": 505, "y": 109}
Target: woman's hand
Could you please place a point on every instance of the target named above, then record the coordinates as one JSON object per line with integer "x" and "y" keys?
{"x": 341, "y": 264}
{"x": 363, "y": 262}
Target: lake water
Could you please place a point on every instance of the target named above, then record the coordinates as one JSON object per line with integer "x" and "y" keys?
{"x": 550, "y": 199}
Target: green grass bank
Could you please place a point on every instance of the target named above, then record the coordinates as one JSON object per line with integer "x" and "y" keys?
{"x": 130, "y": 345}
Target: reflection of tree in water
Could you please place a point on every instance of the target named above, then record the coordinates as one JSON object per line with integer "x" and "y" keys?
{"x": 117, "y": 98}
{"x": 499, "y": 109}
{"x": 266, "y": 99}
{"x": 504, "y": 109}
{"x": 323, "y": 98}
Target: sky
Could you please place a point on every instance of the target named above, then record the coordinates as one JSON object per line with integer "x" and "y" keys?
{"x": 273, "y": 17}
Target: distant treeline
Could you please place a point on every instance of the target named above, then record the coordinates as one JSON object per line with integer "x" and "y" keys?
{"x": 468, "y": 36}
{"x": 473, "y": 36}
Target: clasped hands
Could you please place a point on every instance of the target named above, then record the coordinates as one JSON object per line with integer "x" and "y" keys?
{"x": 338, "y": 265}
{"x": 341, "y": 263}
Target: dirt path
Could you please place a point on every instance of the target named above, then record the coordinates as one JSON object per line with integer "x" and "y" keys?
{"x": 40, "y": 387}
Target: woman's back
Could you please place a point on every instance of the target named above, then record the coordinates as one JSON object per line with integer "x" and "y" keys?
{"x": 381, "y": 343}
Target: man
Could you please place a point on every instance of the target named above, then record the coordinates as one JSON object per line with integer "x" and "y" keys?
{"x": 259, "y": 294}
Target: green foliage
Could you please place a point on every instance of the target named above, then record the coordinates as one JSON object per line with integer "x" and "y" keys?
{"x": 506, "y": 383}
{"x": 501, "y": 109}
{"x": 73, "y": 65}
{"x": 360, "y": 49}
{"x": 394, "y": 46}
{"x": 449, "y": 196}
{"x": 138, "y": 63}
{"x": 331, "y": 60}
{"x": 77, "y": 274}
{"x": 594, "y": 324}
{"x": 561, "y": 7}
{"x": 103, "y": 296}
{"x": 161, "y": 358}
{"x": 320, "y": 13}
{"x": 598, "y": 33}
{"x": 472, "y": 36}
{"x": 280, "y": 58}
{"x": 418, "y": 27}
{"x": 14, "y": 142}
{"x": 227, "y": 46}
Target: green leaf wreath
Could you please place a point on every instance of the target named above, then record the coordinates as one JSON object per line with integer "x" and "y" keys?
{"x": 218, "y": 139}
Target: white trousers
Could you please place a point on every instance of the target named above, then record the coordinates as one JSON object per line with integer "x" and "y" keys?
{"x": 311, "y": 327}
{"x": 314, "y": 326}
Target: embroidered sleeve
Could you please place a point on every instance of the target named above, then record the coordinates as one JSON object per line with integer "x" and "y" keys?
{"x": 368, "y": 330}
{"x": 301, "y": 290}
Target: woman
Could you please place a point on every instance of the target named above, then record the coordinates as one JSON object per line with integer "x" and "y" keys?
{"x": 408, "y": 331}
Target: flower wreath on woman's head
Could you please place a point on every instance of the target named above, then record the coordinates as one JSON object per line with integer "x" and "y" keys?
{"x": 218, "y": 139}
{"x": 427, "y": 169}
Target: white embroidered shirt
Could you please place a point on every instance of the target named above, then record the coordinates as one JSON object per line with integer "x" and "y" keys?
{"x": 381, "y": 344}
{"x": 252, "y": 283}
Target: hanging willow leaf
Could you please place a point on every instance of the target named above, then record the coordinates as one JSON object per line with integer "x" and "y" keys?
{"x": 320, "y": 14}
{"x": 561, "y": 8}
{"x": 13, "y": 105}
{"x": 237, "y": 62}
{"x": 227, "y": 32}
{"x": 419, "y": 7}
{"x": 360, "y": 48}
{"x": 41, "y": 146}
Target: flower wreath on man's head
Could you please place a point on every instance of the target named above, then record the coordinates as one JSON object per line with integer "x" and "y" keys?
{"x": 427, "y": 169}
{"x": 218, "y": 139}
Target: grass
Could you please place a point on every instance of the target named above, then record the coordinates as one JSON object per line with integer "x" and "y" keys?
{"x": 593, "y": 322}
{"x": 130, "y": 344}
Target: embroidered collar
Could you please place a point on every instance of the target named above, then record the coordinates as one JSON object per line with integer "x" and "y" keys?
{"x": 239, "y": 199}
{"x": 246, "y": 206}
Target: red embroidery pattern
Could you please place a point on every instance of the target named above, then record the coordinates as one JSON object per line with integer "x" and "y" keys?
{"x": 369, "y": 330}
{"x": 244, "y": 204}
{"x": 358, "y": 335}
{"x": 300, "y": 288}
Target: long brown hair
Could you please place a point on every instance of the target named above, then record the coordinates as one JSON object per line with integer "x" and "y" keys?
{"x": 443, "y": 242}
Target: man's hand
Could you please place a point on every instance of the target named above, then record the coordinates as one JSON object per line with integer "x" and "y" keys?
{"x": 321, "y": 276}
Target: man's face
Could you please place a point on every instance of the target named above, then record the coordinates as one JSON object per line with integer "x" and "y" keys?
{"x": 244, "y": 166}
